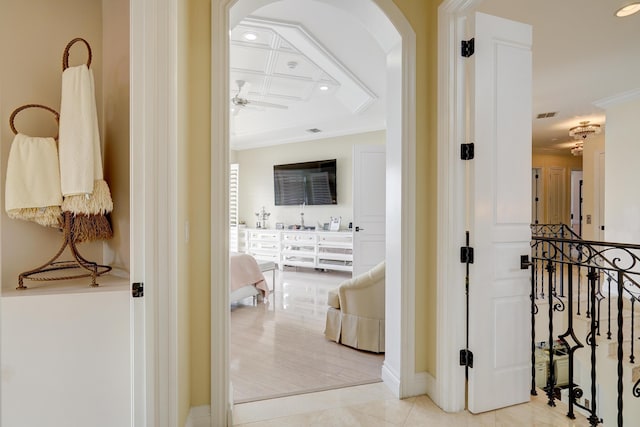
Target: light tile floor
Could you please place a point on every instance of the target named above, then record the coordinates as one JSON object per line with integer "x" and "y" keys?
{"x": 373, "y": 405}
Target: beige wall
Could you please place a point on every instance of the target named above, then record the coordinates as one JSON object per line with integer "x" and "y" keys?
{"x": 197, "y": 140}
{"x": 33, "y": 34}
{"x": 256, "y": 178}
{"x": 115, "y": 129}
{"x": 424, "y": 19}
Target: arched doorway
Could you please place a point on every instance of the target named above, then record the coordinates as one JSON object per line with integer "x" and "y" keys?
{"x": 383, "y": 18}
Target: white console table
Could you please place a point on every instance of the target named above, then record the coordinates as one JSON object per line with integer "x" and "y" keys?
{"x": 329, "y": 250}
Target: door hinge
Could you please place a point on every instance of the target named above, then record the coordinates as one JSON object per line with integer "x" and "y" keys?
{"x": 467, "y": 48}
{"x": 466, "y": 358}
{"x": 467, "y": 151}
{"x": 137, "y": 290}
{"x": 466, "y": 255}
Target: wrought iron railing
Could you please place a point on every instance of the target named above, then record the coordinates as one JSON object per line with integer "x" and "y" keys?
{"x": 574, "y": 277}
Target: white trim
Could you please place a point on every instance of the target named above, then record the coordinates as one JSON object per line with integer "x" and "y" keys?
{"x": 423, "y": 383}
{"x": 407, "y": 257}
{"x": 199, "y": 416}
{"x": 153, "y": 168}
{"x": 221, "y": 406}
{"x": 451, "y": 332}
{"x": 401, "y": 253}
{"x": 617, "y": 99}
{"x": 390, "y": 378}
{"x": 419, "y": 384}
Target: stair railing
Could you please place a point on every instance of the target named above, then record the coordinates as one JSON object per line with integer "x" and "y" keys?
{"x": 562, "y": 265}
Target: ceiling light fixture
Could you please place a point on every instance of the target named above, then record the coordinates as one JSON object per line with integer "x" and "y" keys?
{"x": 584, "y": 129}
{"x": 628, "y": 10}
{"x": 577, "y": 149}
{"x": 251, "y": 36}
{"x": 324, "y": 88}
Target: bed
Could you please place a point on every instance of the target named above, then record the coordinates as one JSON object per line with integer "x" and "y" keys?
{"x": 246, "y": 278}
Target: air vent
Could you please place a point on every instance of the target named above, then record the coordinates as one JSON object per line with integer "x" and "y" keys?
{"x": 547, "y": 115}
{"x": 313, "y": 130}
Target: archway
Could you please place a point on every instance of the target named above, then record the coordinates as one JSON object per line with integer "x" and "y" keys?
{"x": 382, "y": 18}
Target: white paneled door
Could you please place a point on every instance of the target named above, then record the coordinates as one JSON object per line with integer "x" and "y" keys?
{"x": 499, "y": 211}
{"x": 556, "y": 212}
{"x": 369, "y": 206}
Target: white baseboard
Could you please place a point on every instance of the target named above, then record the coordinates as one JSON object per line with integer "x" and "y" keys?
{"x": 391, "y": 380}
{"x": 199, "y": 416}
{"x": 420, "y": 383}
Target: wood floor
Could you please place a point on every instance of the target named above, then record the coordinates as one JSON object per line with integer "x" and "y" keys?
{"x": 278, "y": 347}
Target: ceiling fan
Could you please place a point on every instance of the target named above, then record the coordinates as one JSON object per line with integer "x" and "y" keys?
{"x": 240, "y": 101}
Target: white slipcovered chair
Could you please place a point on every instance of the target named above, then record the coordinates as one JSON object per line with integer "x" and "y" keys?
{"x": 356, "y": 311}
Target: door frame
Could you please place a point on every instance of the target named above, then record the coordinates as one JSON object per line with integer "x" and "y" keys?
{"x": 153, "y": 197}
{"x": 398, "y": 370}
{"x": 451, "y": 332}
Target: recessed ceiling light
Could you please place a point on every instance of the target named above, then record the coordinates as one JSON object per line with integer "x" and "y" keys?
{"x": 629, "y": 9}
{"x": 324, "y": 87}
{"x": 251, "y": 36}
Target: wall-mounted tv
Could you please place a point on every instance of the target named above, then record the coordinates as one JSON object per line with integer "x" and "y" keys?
{"x": 311, "y": 183}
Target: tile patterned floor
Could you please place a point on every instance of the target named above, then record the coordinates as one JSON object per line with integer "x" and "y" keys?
{"x": 373, "y": 405}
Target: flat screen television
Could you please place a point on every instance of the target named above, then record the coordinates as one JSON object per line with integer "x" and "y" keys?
{"x": 311, "y": 183}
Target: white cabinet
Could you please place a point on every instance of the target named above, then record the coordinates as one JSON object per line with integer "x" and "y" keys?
{"x": 335, "y": 251}
{"x": 298, "y": 249}
{"x": 329, "y": 250}
{"x": 264, "y": 245}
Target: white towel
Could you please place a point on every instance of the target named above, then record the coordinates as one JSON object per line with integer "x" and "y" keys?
{"x": 32, "y": 188}
{"x": 79, "y": 140}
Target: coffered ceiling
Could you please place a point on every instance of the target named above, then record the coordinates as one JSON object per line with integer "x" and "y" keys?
{"x": 310, "y": 88}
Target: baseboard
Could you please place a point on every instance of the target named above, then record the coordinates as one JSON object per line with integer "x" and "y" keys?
{"x": 391, "y": 379}
{"x": 420, "y": 383}
{"x": 199, "y": 416}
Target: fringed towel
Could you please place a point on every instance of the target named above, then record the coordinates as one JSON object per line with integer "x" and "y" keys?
{"x": 86, "y": 193}
{"x": 32, "y": 190}
{"x": 80, "y": 160}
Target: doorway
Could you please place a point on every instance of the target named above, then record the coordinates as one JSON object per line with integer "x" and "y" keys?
{"x": 576, "y": 202}
{"x": 399, "y": 42}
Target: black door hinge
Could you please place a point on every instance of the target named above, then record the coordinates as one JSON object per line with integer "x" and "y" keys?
{"x": 466, "y": 358}
{"x": 467, "y": 151}
{"x": 137, "y": 290}
{"x": 466, "y": 255}
{"x": 467, "y": 48}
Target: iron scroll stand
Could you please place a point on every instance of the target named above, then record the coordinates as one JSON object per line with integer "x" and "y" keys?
{"x": 86, "y": 268}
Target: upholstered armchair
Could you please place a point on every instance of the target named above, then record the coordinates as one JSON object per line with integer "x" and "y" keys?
{"x": 356, "y": 311}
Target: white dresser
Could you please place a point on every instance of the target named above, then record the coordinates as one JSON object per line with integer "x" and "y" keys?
{"x": 328, "y": 250}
